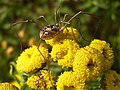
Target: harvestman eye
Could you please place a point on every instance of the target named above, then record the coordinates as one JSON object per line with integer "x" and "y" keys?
{"x": 46, "y": 33}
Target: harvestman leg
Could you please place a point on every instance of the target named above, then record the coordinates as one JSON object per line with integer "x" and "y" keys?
{"x": 41, "y": 52}
{"x": 26, "y": 21}
{"x": 57, "y": 13}
{"x": 74, "y": 16}
{"x": 63, "y": 21}
{"x": 43, "y": 18}
{"x": 46, "y": 61}
{"x": 81, "y": 33}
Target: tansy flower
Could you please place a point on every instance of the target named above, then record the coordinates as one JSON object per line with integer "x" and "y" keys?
{"x": 71, "y": 81}
{"x": 63, "y": 52}
{"x": 112, "y": 80}
{"x": 67, "y": 33}
{"x": 7, "y": 86}
{"x": 31, "y": 59}
{"x": 42, "y": 80}
{"x": 104, "y": 48}
{"x": 89, "y": 61}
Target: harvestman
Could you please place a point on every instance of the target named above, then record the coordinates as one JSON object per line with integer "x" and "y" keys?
{"x": 50, "y": 31}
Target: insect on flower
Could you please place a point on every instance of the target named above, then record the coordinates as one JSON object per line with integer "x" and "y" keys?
{"x": 50, "y": 31}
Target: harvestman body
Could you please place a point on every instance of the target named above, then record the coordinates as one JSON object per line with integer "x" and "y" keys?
{"x": 50, "y": 31}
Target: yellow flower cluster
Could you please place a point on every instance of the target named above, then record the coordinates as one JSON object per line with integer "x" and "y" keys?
{"x": 7, "y": 86}
{"x": 64, "y": 47}
{"x": 67, "y": 33}
{"x": 42, "y": 80}
{"x": 105, "y": 49}
{"x": 89, "y": 61}
{"x": 31, "y": 59}
{"x": 71, "y": 81}
{"x": 112, "y": 80}
{"x": 88, "y": 64}
{"x": 64, "y": 51}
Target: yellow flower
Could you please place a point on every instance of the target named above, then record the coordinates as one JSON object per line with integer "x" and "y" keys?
{"x": 71, "y": 81}
{"x": 67, "y": 33}
{"x": 7, "y": 86}
{"x": 63, "y": 52}
{"x": 105, "y": 49}
{"x": 31, "y": 59}
{"x": 112, "y": 80}
{"x": 42, "y": 80}
{"x": 89, "y": 61}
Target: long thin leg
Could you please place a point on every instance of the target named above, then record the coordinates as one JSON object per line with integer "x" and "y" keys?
{"x": 64, "y": 18}
{"x": 43, "y": 18}
{"x": 63, "y": 21}
{"x": 19, "y": 40}
{"x": 39, "y": 49}
{"x": 47, "y": 62}
{"x": 71, "y": 19}
{"x": 57, "y": 16}
{"x": 81, "y": 33}
{"x": 26, "y": 21}
{"x": 80, "y": 12}
{"x": 74, "y": 36}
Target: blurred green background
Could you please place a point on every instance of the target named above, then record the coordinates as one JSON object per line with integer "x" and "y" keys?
{"x": 107, "y": 27}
